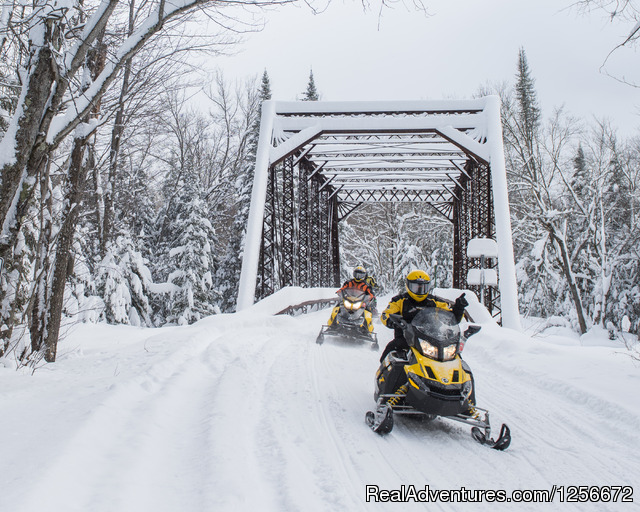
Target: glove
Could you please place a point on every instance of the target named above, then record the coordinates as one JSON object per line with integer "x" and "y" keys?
{"x": 460, "y": 303}
{"x": 393, "y": 322}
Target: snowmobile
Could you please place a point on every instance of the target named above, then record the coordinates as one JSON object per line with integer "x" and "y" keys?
{"x": 351, "y": 319}
{"x": 431, "y": 379}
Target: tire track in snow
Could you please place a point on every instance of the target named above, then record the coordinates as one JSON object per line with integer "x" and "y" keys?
{"x": 142, "y": 421}
{"x": 343, "y": 377}
{"x": 443, "y": 454}
{"x": 334, "y": 400}
{"x": 238, "y": 401}
{"x": 566, "y": 440}
{"x": 295, "y": 450}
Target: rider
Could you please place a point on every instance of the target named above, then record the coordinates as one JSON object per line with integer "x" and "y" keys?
{"x": 358, "y": 282}
{"x": 409, "y": 303}
{"x": 371, "y": 281}
{"x": 373, "y": 284}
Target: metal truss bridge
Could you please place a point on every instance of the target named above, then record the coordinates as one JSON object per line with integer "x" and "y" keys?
{"x": 317, "y": 162}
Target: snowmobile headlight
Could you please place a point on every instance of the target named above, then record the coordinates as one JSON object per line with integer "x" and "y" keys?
{"x": 449, "y": 352}
{"x": 352, "y": 305}
{"x": 428, "y": 349}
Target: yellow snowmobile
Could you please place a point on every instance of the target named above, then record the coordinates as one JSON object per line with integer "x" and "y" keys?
{"x": 431, "y": 379}
{"x": 351, "y": 319}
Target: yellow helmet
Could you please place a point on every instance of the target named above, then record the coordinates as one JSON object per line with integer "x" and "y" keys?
{"x": 359, "y": 273}
{"x": 418, "y": 284}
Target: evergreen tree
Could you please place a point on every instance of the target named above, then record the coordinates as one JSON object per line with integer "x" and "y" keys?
{"x": 192, "y": 261}
{"x": 526, "y": 96}
{"x": 265, "y": 94}
{"x": 580, "y": 178}
{"x": 125, "y": 280}
{"x": 134, "y": 207}
{"x": 82, "y": 302}
{"x": 311, "y": 94}
{"x": 618, "y": 195}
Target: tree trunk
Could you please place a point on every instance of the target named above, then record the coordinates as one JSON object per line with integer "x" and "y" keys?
{"x": 41, "y": 293}
{"x": 16, "y": 188}
{"x": 116, "y": 139}
{"x": 77, "y": 178}
{"x": 114, "y": 153}
{"x": 82, "y": 159}
{"x": 565, "y": 264}
{"x": 20, "y": 174}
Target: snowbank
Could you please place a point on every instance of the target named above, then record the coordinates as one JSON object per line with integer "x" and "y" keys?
{"x": 289, "y": 296}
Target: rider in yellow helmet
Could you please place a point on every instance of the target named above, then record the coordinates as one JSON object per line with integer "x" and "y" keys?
{"x": 408, "y": 304}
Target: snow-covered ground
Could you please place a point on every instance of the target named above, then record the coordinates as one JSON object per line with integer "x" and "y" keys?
{"x": 245, "y": 412}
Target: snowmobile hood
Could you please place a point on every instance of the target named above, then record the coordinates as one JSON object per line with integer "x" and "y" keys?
{"x": 444, "y": 372}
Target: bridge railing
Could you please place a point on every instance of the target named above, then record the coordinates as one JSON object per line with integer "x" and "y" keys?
{"x": 308, "y": 307}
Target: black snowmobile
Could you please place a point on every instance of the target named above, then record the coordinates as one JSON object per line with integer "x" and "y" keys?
{"x": 351, "y": 319}
{"x": 431, "y": 379}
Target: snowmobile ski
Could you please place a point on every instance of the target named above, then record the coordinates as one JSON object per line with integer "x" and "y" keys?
{"x": 502, "y": 443}
{"x": 380, "y": 421}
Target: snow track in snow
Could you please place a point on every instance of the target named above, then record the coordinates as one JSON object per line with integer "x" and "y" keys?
{"x": 247, "y": 412}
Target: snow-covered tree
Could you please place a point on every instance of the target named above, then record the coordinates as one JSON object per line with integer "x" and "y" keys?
{"x": 527, "y": 104}
{"x": 311, "y": 94}
{"x": 391, "y": 239}
{"x": 192, "y": 260}
{"x": 125, "y": 280}
{"x": 49, "y": 46}
{"x": 538, "y": 164}
{"x": 580, "y": 179}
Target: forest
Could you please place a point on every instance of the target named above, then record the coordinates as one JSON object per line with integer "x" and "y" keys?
{"x": 126, "y": 182}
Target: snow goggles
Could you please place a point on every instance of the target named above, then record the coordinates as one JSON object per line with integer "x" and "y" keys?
{"x": 419, "y": 286}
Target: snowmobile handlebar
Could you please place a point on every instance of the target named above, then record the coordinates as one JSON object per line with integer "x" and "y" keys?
{"x": 396, "y": 320}
{"x": 471, "y": 330}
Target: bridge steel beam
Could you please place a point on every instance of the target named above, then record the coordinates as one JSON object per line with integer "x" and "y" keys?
{"x": 473, "y": 218}
{"x": 318, "y": 161}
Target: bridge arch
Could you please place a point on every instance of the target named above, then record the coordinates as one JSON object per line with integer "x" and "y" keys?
{"x": 319, "y": 161}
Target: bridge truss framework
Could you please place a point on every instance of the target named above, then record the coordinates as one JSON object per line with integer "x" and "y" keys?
{"x": 317, "y": 162}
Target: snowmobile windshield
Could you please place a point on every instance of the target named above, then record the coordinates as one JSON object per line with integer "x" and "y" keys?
{"x": 353, "y": 294}
{"x": 437, "y": 325}
{"x": 353, "y": 299}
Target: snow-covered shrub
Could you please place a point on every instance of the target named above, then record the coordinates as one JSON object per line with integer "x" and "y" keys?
{"x": 124, "y": 281}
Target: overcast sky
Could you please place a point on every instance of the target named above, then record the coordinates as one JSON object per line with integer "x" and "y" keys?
{"x": 459, "y": 46}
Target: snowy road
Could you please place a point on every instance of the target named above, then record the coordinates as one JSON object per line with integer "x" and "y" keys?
{"x": 245, "y": 412}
